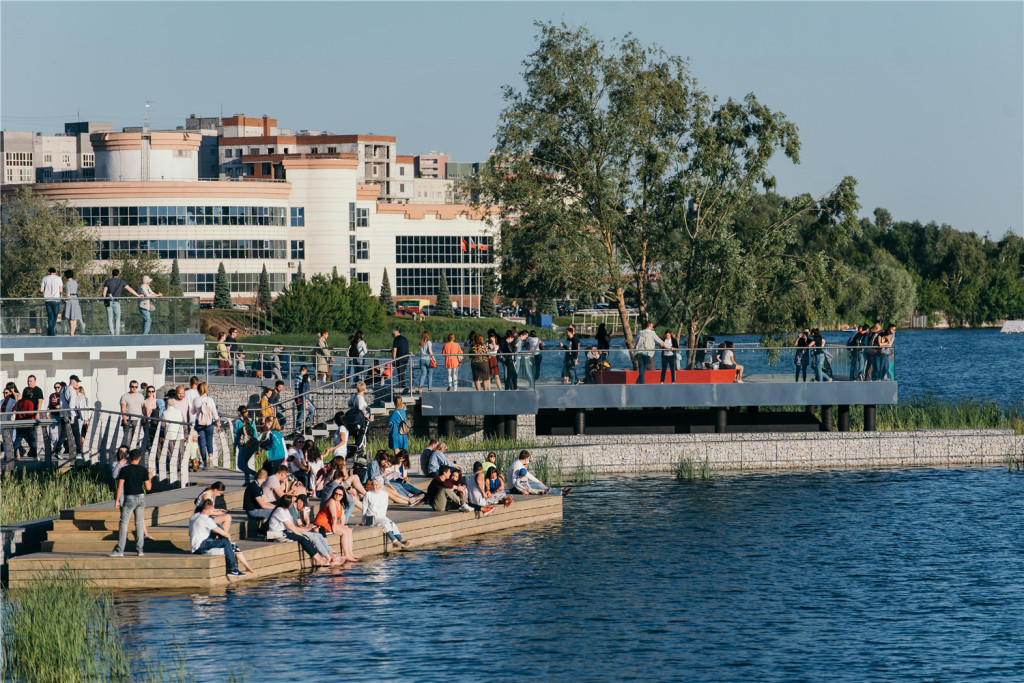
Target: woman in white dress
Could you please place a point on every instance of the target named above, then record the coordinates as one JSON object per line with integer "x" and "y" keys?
{"x": 72, "y": 307}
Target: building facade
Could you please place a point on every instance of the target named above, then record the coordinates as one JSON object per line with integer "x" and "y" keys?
{"x": 28, "y": 157}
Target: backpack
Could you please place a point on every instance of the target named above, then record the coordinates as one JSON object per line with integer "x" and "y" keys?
{"x": 205, "y": 418}
{"x": 353, "y": 351}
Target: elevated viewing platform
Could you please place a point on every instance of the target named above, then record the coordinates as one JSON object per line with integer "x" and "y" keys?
{"x": 112, "y": 341}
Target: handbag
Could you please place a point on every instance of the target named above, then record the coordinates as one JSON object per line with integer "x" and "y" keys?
{"x": 404, "y": 427}
{"x": 433, "y": 362}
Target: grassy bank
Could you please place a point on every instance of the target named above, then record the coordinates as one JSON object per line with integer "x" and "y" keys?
{"x": 438, "y": 328}
{"x": 57, "y": 629}
{"x": 36, "y": 494}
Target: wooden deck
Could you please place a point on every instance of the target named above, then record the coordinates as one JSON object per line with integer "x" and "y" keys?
{"x": 82, "y": 538}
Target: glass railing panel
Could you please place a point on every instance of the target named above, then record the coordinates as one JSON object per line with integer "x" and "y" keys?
{"x": 101, "y": 316}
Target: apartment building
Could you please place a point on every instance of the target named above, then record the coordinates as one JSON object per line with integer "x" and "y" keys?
{"x": 28, "y": 157}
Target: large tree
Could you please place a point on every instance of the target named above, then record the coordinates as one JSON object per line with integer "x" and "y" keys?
{"x": 263, "y": 298}
{"x": 614, "y": 169}
{"x": 488, "y": 294}
{"x": 36, "y": 235}
{"x": 443, "y": 304}
{"x": 134, "y": 267}
{"x": 326, "y": 303}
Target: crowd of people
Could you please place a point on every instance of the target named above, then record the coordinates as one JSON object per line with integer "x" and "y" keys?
{"x": 60, "y": 298}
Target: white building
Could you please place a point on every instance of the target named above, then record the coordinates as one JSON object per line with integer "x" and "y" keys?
{"x": 320, "y": 215}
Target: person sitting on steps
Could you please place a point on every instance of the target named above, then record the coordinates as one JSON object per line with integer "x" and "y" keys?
{"x": 205, "y": 535}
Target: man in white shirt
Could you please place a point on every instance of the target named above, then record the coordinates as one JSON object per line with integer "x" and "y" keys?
{"x": 204, "y": 535}
{"x": 51, "y": 288}
{"x": 340, "y": 447}
{"x": 646, "y": 343}
{"x": 521, "y": 480}
{"x": 192, "y": 395}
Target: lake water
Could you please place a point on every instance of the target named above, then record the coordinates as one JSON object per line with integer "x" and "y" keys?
{"x": 909, "y": 575}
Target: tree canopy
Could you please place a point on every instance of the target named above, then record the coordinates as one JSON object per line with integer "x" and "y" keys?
{"x": 36, "y": 235}
{"x": 327, "y": 303}
{"x": 617, "y": 173}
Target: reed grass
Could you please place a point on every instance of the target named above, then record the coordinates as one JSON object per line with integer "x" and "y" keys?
{"x": 931, "y": 412}
{"x": 690, "y": 469}
{"x": 456, "y": 444}
{"x": 37, "y": 494}
{"x": 57, "y": 629}
{"x": 583, "y": 474}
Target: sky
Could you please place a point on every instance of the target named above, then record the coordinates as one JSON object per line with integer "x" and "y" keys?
{"x": 922, "y": 102}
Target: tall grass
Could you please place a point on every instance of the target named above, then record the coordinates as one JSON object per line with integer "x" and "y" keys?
{"x": 932, "y": 412}
{"x": 57, "y": 629}
{"x": 456, "y": 444}
{"x": 688, "y": 468}
{"x": 35, "y": 494}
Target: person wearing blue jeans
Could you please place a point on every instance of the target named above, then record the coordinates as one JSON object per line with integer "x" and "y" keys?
{"x": 52, "y": 311}
{"x": 51, "y": 288}
{"x": 245, "y": 443}
{"x": 113, "y": 289}
{"x": 206, "y": 412}
{"x": 132, "y": 481}
{"x": 206, "y": 535}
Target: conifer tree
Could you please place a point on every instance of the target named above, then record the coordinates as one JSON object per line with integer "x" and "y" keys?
{"x": 221, "y": 289}
{"x": 299, "y": 275}
{"x": 385, "y": 297}
{"x": 489, "y": 292}
{"x": 263, "y": 300}
{"x": 176, "y": 277}
{"x": 443, "y": 307}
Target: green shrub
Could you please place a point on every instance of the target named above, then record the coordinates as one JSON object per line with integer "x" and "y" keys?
{"x": 37, "y": 494}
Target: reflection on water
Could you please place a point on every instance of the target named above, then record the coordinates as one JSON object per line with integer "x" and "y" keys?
{"x": 878, "y": 575}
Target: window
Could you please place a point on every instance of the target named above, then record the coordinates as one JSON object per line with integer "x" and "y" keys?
{"x": 298, "y": 214}
{"x": 243, "y": 283}
{"x": 88, "y": 160}
{"x": 19, "y": 175}
{"x": 47, "y": 173}
{"x": 244, "y": 249}
{"x": 285, "y": 150}
{"x": 254, "y": 150}
{"x": 265, "y": 169}
{"x": 425, "y": 281}
{"x": 298, "y": 249}
{"x": 65, "y": 159}
{"x": 332, "y": 150}
{"x": 352, "y": 274}
{"x": 47, "y": 158}
{"x": 228, "y": 153}
{"x": 197, "y": 282}
{"x": 427, "y": 249}
{"x": 314, "y": 150}
{"x": 270, "y": 150}
{"x": 401, "y": 187}
{"x": 101, "y": 216}
{"x": 351, "y": 248}
{"x": 401, "y": 171}
{"x": 362, "y": 250}
{"x": 357, "y": 218}
{"x": 18, "y": 158}
{"x": 363, "y": 278}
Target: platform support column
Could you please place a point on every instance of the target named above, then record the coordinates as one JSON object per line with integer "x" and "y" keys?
{"x": 869, "y": 418}
{"x": 826, "y": 419}
{"x": 446, "y": 425}
{"x": 720, "y": 420}
{"x": 580, "y": 422}
{"x": 511, "y": 426}
{"x": 494, "y": 425}
{"x": 844, "y": 418}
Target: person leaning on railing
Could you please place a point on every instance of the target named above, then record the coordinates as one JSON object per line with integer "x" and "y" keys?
{"x": 223, "y": 356}
{"x": 146, "y": 307}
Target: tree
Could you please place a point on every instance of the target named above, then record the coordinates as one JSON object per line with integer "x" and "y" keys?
{"x": 174, "y": 285}
{"x": 221, "y": 289}
{"x": 263, "y": 298}
{"x": 546, "y": 306}
{"x": 585, "y": 302}
{"x": 325, "y": 303}
{"x": 299, "y": 275}
{"x": 488, "y": 294}
{"x": 133, "y": 268}
{"x": 385, "y": 297}
{"x": 443, "y": 307}
{"x": 36, "y": 235}
{"x": 612, "y": 167}
{"x": 892, "y": 296}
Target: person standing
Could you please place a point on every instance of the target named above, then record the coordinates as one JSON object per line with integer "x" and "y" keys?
{"x": 132, "y": 482}
{"x": 275, "y": 364}
{"x": 146, "y": 307}
{"x": 207, "y": 422}
{"x": 800, "y": 359}
{"x": 400, "y": 355}
{"x": 73, "y": 307}
{"x": 398, "y": 427}
{"x": 246, "y": 443}
{"x": 51, "y": 288}
{"x": 818, "y": 354}
{"x": 646, "y": 342}
{"x": 535, "y": 345}
{"x": 669, "y": 359}
{"x": 232, "y": 345}
{"x": 451, "y": 352}
{"x": 507, "y": 350}
{"x": 223, "y": 356}
{"x": 113, "y": 289}
{"x": 68, "y": 418}
{"x": 571, "y": 359}
{"x": 323, "y": 357}
{"x": 427, "y": 360}
{"x": 604, "y": 341}
{"x": 131, "y": 412}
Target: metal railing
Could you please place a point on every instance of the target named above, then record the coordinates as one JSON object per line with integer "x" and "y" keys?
{"x": 588, "y": 365}
{"x": 168, "y": 446}
{"x": 100, "y": 316}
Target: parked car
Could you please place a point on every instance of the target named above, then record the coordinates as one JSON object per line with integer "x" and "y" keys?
{"x": 204, "y": 306}
{"x": 600, "y": 307}
{"x": 240, "y": 307}
{"x": 428, "y": 310}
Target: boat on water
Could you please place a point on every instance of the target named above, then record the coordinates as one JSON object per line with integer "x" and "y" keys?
{"x": 1013, "y": 326}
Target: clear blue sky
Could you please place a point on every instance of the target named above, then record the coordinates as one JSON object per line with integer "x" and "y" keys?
{"x": 922, "y": 102}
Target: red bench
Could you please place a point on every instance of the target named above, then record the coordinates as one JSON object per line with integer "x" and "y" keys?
{"x": 654, "y": 376}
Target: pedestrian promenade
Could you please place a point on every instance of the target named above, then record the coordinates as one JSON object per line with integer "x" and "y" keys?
{"x": 83, "y": 536}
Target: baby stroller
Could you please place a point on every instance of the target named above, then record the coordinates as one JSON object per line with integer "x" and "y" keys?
{"x": 355, "y": 422}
